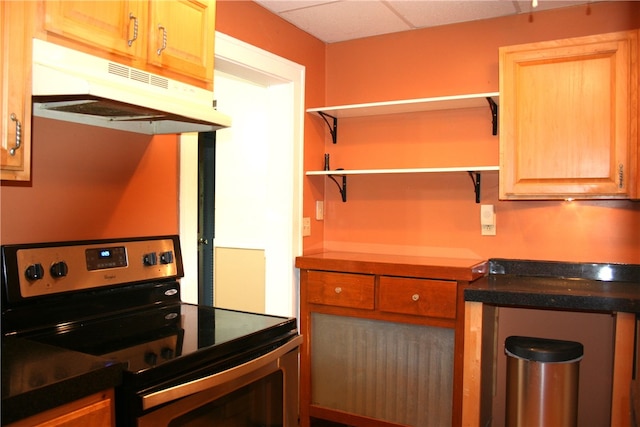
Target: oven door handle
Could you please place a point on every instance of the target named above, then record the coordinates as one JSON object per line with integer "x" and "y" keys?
{"x": 176, "y": 392}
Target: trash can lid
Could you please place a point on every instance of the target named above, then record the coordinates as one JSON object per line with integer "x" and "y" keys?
{"x": 542, "y": 349}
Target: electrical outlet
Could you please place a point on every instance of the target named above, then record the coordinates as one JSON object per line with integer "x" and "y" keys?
{"x": 488, "y": 229}
{"x": 319, "y": 210}
{"x": 306, "y": 226}
{"x": 487, "y": 220}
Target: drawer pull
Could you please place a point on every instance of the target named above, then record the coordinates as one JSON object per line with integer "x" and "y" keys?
{"x": 338, "y": 289}
{"x": 415, "y": 297}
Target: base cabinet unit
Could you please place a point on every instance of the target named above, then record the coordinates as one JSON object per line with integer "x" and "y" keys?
{"x": 382, "y": 338}
{"x": 569, "y": 118}
{"x": 15, "y": 84}
{"x": 96, "y": 410}
{"x": 170, "y": 38}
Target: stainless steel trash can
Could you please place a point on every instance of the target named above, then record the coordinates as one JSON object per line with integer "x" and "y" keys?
{"x": 542, "y": 382}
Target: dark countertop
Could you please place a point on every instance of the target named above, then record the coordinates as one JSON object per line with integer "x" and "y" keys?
{"x": 37, "y": 377}
{"x": 561, "y": 286}
{"x": 568, "y": 294}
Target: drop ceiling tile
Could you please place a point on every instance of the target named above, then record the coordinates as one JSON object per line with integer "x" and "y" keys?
{"x": 345, "y": 20}
{"x": 338, "y": 20}
{"x": 279, "y": 6}
{"x": 527, "y": 6}
{"x": 433, "y": 13}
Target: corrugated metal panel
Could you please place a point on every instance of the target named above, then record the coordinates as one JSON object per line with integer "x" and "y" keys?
{"x": 395, "y": 372}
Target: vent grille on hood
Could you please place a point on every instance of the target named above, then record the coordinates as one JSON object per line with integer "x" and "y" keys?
{"x": 77, "y": 87}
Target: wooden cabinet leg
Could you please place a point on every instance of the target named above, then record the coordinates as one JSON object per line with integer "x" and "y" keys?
{"x": 471, "y": 376}
{"x": 622, "y": 369}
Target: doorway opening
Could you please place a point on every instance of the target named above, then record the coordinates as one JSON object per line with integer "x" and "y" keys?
{"x": 281, "y": 211}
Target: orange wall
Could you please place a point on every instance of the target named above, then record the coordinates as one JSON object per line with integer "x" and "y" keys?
{"x": 91, "y": 183}
{"x": 435, "y": 214}
{"x": 105, "y": 184}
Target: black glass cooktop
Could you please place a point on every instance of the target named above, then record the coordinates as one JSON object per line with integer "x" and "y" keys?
{"x": 175, "y": 337}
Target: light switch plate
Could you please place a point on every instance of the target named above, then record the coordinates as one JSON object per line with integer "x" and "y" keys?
{"x": 306, "y": 226}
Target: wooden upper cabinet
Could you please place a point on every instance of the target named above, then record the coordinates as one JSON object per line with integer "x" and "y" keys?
{"x": 171, "y": 38}
{"x": 15, "y": 87}
{"x": 568, "y": 118}
{"x": 181, "y": 37}
{"x": 114, "y": 26}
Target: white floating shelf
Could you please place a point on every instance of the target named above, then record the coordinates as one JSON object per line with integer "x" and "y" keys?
{"x": 408, "y": 170}
{"x": 409, "y": 105}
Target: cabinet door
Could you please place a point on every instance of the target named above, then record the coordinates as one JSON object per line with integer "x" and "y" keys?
{"x": 113, "y": 26}
{"x": 15, "y": 79}
{"x": 568, "y": 121}
{"x": 95, "y": 410}
{"x": 181, "y": 37}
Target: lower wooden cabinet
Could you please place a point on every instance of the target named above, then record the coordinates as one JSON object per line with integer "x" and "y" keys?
{"x": 96, "y": 410}
{"x": 382, "y": 339}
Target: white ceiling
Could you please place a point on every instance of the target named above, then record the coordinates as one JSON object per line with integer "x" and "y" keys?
{"x": 339, "y": 20}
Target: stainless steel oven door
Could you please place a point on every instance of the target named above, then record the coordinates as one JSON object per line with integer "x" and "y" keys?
{"x": 263, "y": 392}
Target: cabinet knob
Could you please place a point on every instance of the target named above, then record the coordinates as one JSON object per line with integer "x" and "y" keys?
{"x": 338, "y": 289}
{"x": 415, "y": 297}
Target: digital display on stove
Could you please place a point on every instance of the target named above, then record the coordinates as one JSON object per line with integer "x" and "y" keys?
{"x": 101, "y": 258}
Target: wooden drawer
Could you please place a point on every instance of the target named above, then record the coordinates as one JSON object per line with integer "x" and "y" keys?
{"x": 340, "y": 289}
{"x": 433, "y": 298}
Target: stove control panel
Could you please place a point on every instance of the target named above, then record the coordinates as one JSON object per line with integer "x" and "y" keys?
{"x": 56, "y": 268}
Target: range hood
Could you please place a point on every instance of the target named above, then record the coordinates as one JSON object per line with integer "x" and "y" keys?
{"x": 76, "y": 87}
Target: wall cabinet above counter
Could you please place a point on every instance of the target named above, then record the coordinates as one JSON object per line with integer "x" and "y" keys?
{"x": 15, "y": 84}
{"x": 156, "y": 56}
{"x": 175, "y": 39}
{"x": 569, "y": 118}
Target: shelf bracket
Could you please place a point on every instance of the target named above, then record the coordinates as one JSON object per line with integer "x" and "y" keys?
{"x": 333, "y": 128}
{"x": 494, "y": 114}
{"x": 475, "y": 177}
{"x": 343, "y": 189}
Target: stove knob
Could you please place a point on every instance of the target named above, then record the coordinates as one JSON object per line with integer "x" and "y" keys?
{"x": 34, "y": 272}
{"x": 166, "y": 257}
{"x": 150, "y": 259}
{"x": 59, "y": 269}
{"x": 151, "y": 358}
{"x": 167, "y": 353}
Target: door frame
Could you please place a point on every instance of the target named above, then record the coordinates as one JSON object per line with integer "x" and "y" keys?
{"x": 236, "y": 57}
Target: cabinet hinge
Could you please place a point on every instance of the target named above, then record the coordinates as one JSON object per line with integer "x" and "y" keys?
{"x": 620, "y": 176}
